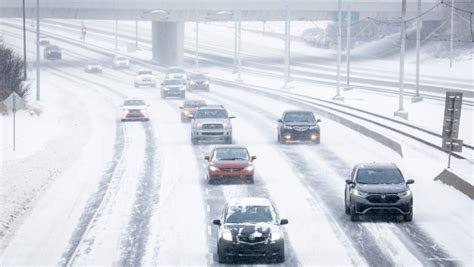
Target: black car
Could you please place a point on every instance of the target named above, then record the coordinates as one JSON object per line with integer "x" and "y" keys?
{"x": 250, "y": 228}
{"x": 298, "y": 125}
{"x": 173, "y": 87}
{"x": 52, "y": 52}
{"x": 378, "y": 188}
{"x": 198, "y": 81}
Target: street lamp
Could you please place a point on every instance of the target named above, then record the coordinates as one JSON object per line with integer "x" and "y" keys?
{"x": 25, "y": 76}
{"x": 338, "y": 95}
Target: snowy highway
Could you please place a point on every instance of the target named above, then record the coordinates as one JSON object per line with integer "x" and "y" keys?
{"x": 136, "y": 193}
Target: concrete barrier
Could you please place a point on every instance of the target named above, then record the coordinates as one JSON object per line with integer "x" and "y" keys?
{"x": 378, "y": 137}
{"x": 450, "y": 178}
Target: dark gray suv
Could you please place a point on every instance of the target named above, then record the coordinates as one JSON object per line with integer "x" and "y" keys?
{"x": 378, "y": 187}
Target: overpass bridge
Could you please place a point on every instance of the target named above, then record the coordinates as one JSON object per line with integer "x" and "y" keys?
{"x": 168, "y": 16}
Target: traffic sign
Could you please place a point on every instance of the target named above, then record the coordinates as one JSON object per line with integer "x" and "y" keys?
{"x": 452, "y": 116}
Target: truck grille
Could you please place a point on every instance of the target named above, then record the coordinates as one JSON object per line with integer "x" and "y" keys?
{"x": 212, "y": 126}
{"x": 231, "y": 169}
{"x": 383, "y": 198}
{"x": 251, "y": 240}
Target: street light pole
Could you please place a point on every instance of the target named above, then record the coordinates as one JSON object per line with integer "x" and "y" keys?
{"x": 286, "y": 74}
{"x": 235, "y": 42}
{"x": 348, "y": 50}
{"x": 417, "y": 97}
{"x": 38, "y": 63}
{"x": 239, "y": 46}
{"x": 136, "y": 34}
{"x": 339, "y": 41}
{"x": 197, "y": 46}
{"x": 401, "y": 112}
{"x": 25, "y": 70}
{"x": 451, "y": 37}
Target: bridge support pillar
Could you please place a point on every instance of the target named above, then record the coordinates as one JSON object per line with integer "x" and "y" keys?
{"x": 168, "y": 42}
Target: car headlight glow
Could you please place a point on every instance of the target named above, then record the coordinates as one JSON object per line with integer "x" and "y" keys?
{"x": 186, "y": 112}
{"x": 360, "y": 193}
{"x": 198, "y": 125}
{"x": 192, "y": 82}
{"x": 276, "y": 236}
{"x": 126, "y": 111}
{"x": 143, "y": 111}
{"x": 249, "y": 168}
{"x": 206, "y": 82}
{"x": 226, "y": 125}
{"x": 404, "y": 194}
{"x": 213, "y": 168}
{"x": 227, "y": 235}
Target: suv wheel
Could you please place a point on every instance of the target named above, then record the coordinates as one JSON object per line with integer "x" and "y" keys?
{"x": 346, "y": 207}
{"x": 408, "y": 217}
{"x": 280, "y": 139}
{"x": 280, "y": 258}
{"x": 354, "y": 216}
{"x": 163, "y": 96}
{"x": 194, "y": 141}
{"x": 228, "y": 140}
{"x": 183, "y": 95}
{"x": 221, "y": 257}
{"x": 136, "y": 85}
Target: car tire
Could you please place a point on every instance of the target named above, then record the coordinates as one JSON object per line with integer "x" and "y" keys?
{"x": 228, "y": 140}
{"x": 408, "y": 217}
{"x": 354, "y": 216}
{"x": 194, "y": 141}
{"x": 163, "y": 96}
{"x": 281, "y": 140}
{"x": 220, "y": 256}
{"x": 136, "y": 85}
{"x": 183, "y": 95}
{"x": 280, "y": 258}
{"x": 346, "y": 207}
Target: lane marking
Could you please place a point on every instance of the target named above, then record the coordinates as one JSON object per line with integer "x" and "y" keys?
{"x": 209, "y": 230}
{"x": 207, "y": 191}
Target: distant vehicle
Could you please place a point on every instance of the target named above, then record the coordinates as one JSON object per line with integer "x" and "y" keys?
{"x": 378, "y": 187}
{"x": 198, "y": 81}
{"x": 189, "y": 108}
{"x": 250, "y": 228}
{"x": 211, "y": 123}
{"x": 176, "y": 73}
{"x": 145, "y": 78}
{"x": 93, "y": 67}
{"x": 230, "y": 162}
{"x": 43, "y": 40}
{"x": 52, "y": 52}
{"x": 134, "y": 109}
{"x": 298, "y": 126}
{"x": 173, "y": 87}
{"x": 121, "y": 62}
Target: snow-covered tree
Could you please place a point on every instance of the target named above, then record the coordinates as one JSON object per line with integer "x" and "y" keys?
{"x": 11, "y": 74}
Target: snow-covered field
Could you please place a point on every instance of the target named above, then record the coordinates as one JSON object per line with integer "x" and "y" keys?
{"x": 89, "y": 190}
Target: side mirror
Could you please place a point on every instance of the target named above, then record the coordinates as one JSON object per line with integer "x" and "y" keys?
{"x": 231, "y": 117}
{"x": 216, "y": 222}
{"x": 207, "y": 158}
{"x": 283, "y": 221}
{"x": 410, "y": 181}
{"x": 349, "y": 182}
{"x": 191, "y": 116}
{"x": 279, "y": 120}
{"x": 318, "y": 120}
{"x": 254, "y": 158}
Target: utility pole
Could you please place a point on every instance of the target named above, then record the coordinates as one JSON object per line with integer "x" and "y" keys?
{"x": 339, "y": 41}
{"x": 197, "y": 46}
{"x": 286, "y": 73}
{"x": 136, "y": 34}
{"x": 451, "y": 37}
{"x": 401, "y": 112}
{"x": 235, "y": 42}
{"x": 116, "y": 35}
{"x": 417, "y": 97}
{"x": 38, "y": 63}
{"x": 348, "y": 50}
{"x": 239, "y": 47}
{"x": 25, "y": 70}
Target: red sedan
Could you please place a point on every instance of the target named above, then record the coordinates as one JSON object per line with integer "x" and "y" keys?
{"x": 230, "y": 161}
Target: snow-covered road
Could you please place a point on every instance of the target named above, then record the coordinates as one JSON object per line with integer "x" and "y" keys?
{"x": 136, "y": 194}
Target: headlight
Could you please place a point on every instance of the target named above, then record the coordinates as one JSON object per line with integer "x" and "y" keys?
{"x": 143, "y": 111}
{"x": 226, "y": 125}
{"x": 186, "y": 112}
{"x": 213, "y": 168}
{"x": 182, "y": 88}
{"x": 206, "y": 82}
{"x": 249, "y": 168}
{"x": 185, "y": 76}
{"x": 227, "y": 235}
{"x": 198, "y": 125}
{"x": 404, "y": 194}
{"x": 360, "y": 193}
{"x": 125, "y": 111}
{"x": 276, "y": 236}
{"x": 166, "y": 88}
{"x": 192, "y": 82}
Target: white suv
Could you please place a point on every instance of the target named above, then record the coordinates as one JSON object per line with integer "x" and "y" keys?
{"x": 145, "y": 78}
{"x": 176, "y": 73}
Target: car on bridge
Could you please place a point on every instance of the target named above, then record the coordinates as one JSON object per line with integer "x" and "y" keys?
{"x": 120, "y": 62}
{"x": 378, "y": 188}
{"x": 52, "y": 52}
{"x": 198, "y": 81}
{"x": 250, "y": 228}
{"x": 173, "y": 87}
{"x": 134, "y": 110}
{"x": 298, "y": 125}
{"x": 93, "y": 67}
{"x": 189, "y": 108}
{"x": 145, "y": 78}
{"x": 226, "y": 162}
{"x": 176, "y": 73}
{"x": 211, "y": 123}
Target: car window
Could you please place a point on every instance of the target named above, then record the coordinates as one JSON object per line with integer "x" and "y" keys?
{"x": 231, "y": 154}
{"x": 212, "y": 114}
{"x": 249, "y": 214}
{"x": 299, "y": 117}
{"x": 194, "y": 104}
{"x": 172, "y": 82}
{"x": 379, "y": 176}
{"x": 134, "y": 103}
{"x": 145, "y": 72}
{"x": 198, "y": 76}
